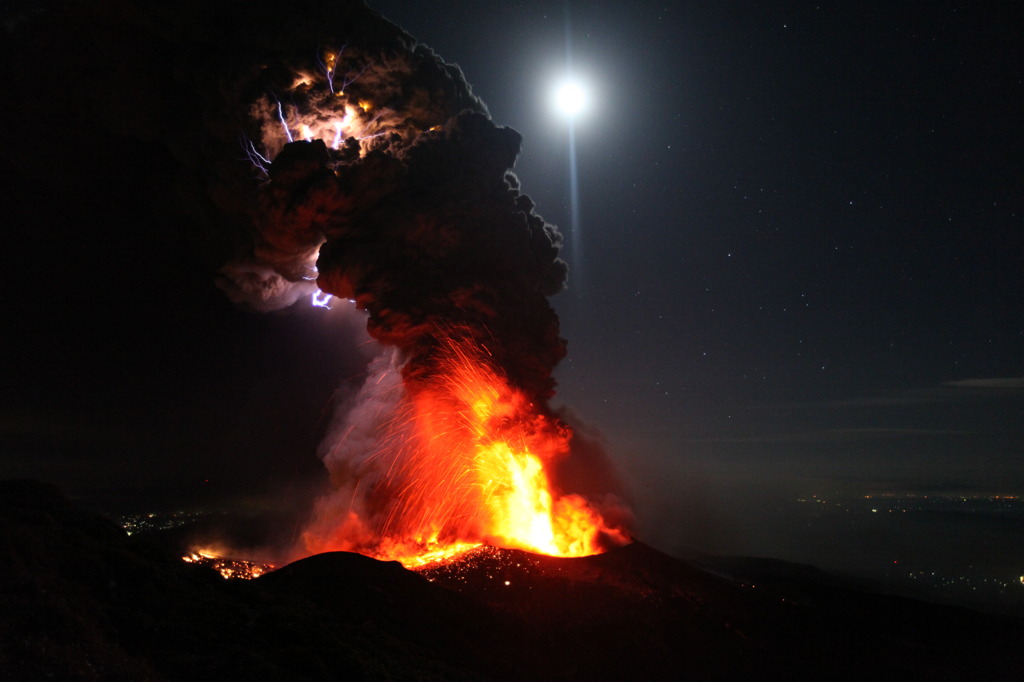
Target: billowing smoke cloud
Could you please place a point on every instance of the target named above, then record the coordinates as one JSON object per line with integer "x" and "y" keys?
{"x": 427, "y": 231}
{"x": 318, "y": 148}
{"x": 390, "y": 186}
{"x": 387, "y": 182}
{"x": 258, "y": 286}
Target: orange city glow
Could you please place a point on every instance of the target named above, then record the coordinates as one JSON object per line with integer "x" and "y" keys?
{"x": 468, "y": 462}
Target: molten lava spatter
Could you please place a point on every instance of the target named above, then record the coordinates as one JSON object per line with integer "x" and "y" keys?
{"x": 468, "y": 464}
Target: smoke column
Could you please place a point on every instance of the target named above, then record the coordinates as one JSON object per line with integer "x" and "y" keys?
{"x": 384, "y": 180}
{"x": 317, "y": 150}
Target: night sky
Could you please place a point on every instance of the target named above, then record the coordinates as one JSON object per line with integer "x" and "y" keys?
{"x": 798, "y": 267}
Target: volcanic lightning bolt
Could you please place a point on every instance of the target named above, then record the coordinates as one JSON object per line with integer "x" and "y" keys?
{"x": 395, "y": 190}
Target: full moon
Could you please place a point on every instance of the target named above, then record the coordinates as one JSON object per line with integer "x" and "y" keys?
{"x": 570, "y": 98}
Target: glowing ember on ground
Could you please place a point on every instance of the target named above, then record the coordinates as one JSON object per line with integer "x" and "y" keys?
{"x": 443, "y": 555}
{"x": 470, "y": 562}
{"x": 228, "y": 568}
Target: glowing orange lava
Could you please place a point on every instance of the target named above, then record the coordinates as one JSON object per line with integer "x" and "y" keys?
{"x": 469, "y": 463}
{"x": 227, "y": 567}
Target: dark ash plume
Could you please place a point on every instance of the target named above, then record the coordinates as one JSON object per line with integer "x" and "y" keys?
{"x": 390, "y": 185}
{"x": 374, "y": 173}
{"x": 430, "y": 239}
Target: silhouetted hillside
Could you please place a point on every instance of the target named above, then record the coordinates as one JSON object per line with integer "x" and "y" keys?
{"x": 83, "y": 601}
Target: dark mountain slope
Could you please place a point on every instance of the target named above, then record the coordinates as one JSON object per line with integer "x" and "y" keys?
{"x": 83, "y": 601}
